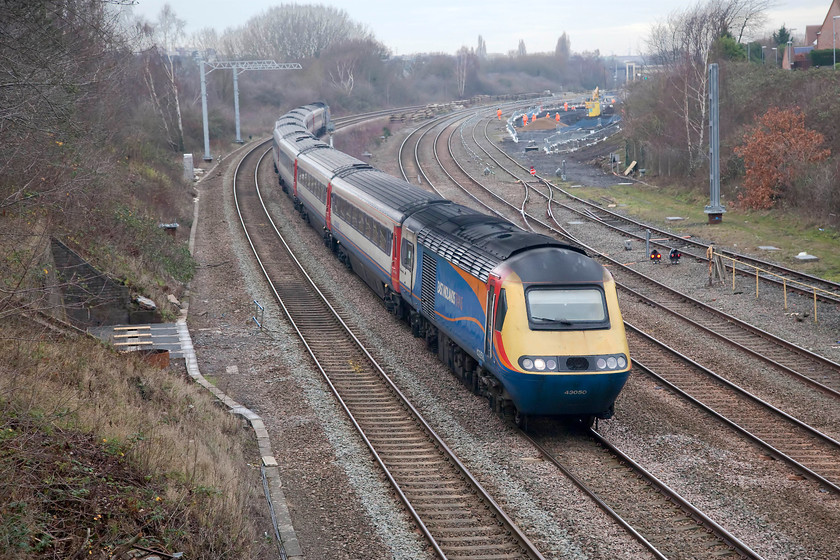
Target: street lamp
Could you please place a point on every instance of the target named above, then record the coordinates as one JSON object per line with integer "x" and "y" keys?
{"x": 834, "y": 38}
{"x": 762, "y": 53}
{"x": 776, "y": 51}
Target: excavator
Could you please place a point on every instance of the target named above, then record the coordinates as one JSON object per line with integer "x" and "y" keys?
{"x": 593, "y": 106}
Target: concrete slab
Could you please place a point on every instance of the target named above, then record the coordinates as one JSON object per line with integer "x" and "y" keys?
{"x": 803, "y": 256}
{"x": 674, "y": 218}
{"x": 261, "y": 433}
{"x": 157, "y": 336}
{"x": 768, "y": 248}
{"x": 575, "y": 223}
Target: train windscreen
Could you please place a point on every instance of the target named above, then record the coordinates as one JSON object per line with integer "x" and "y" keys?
{"x": 550, "y": 308}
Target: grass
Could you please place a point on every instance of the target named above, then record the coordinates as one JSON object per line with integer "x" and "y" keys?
{"x": 741, "y": 230}
{"x": 99, "y": 449}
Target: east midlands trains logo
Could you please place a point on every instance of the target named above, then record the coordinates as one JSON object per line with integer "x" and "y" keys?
{"x": 450, "y": 295}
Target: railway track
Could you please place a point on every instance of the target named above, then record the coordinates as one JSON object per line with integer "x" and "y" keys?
{"x": 805, "y": 448}
{"x": 452, "y": 510}
{"x": 661, "y": 519}
{"x": 778, "y": 276}
{"x": 350, "y": 120}
{"x": 666, "y": 524}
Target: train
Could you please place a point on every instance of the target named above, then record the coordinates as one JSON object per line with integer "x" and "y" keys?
{"x": 529, "y": 322}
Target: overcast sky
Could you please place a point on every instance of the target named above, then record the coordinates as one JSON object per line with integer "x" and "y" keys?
{"x": 613, "y": 26}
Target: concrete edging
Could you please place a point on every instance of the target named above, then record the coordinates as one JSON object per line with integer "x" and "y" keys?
{"x": 281, "y": 519}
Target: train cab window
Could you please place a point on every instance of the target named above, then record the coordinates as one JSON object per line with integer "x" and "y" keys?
{"x": 407, "y": 254}
{"x": 566, "y": 308}
{"x": 501, "y": 311}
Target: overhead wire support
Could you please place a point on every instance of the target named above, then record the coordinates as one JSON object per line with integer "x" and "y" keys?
{"x": 238, "y": 66}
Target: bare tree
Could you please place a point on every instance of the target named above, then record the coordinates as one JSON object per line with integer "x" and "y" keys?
{"x": 682, "y": 45}
{"x": 521, "y": 50}
{"x": 481, "y": 51}
{"x": 464, "y": 62}
{"x": 342, "y": 78}
{"x": 292, "y": 31}
{"x": 206, "y": 40}
{"x": 169, "y": 31}
{"x": 60, "y": 60}
{"x": 563, "y": 50}
{"x": 345, "y": 60}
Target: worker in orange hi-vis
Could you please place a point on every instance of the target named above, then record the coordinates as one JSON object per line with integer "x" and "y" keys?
{"x": 499, "y": 113}
{"x": 534, "y": 117}
{"x": 557, "y": 117}
{"x": 565, "y": 106}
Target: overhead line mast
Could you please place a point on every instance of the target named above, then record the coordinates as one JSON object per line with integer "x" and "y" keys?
{"x": 238, "y": 66}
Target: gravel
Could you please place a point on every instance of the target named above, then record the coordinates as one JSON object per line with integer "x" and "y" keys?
{"x": 342, "y": 507}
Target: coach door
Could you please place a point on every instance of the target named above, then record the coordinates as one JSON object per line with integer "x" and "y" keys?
{"x": 408, "y": 249}
{"x": 489, "y": 323}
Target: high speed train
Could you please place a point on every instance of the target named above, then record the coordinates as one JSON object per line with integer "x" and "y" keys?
{"x": 529, "y": 322}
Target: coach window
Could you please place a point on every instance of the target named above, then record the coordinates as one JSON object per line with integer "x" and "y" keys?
{"x": 407, "y": 252}
{"x": 501, "y": 310}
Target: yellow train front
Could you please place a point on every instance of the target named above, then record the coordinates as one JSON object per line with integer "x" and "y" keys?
{"x": 558, "y": 340}
{"x": 530, "y": 322}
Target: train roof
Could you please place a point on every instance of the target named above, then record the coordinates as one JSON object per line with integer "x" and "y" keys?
{"x": 392, "y": 192}
{"x": 303, "y": 141}
{"x": 284, "y": 128}
{"x": 332, "y": 160}
{"x": 474, "y": 241}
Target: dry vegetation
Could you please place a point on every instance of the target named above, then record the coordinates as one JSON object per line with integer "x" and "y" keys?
{"x": 98, "y": 450}
{"x": 666, "y": 115}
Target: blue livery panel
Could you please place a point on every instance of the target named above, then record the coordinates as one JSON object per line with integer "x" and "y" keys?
{"x": 459, "y": 306}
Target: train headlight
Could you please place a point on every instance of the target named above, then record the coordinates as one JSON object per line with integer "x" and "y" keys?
{"x": 611, "y": 362}
{"x": 539, "y": 363}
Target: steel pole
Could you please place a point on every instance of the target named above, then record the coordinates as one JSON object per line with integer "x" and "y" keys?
{"x": 207, "y": 156}
{"x": 236, "y": 104}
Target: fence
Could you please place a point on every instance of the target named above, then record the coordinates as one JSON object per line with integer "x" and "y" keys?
{"x": 717, "y": 267}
